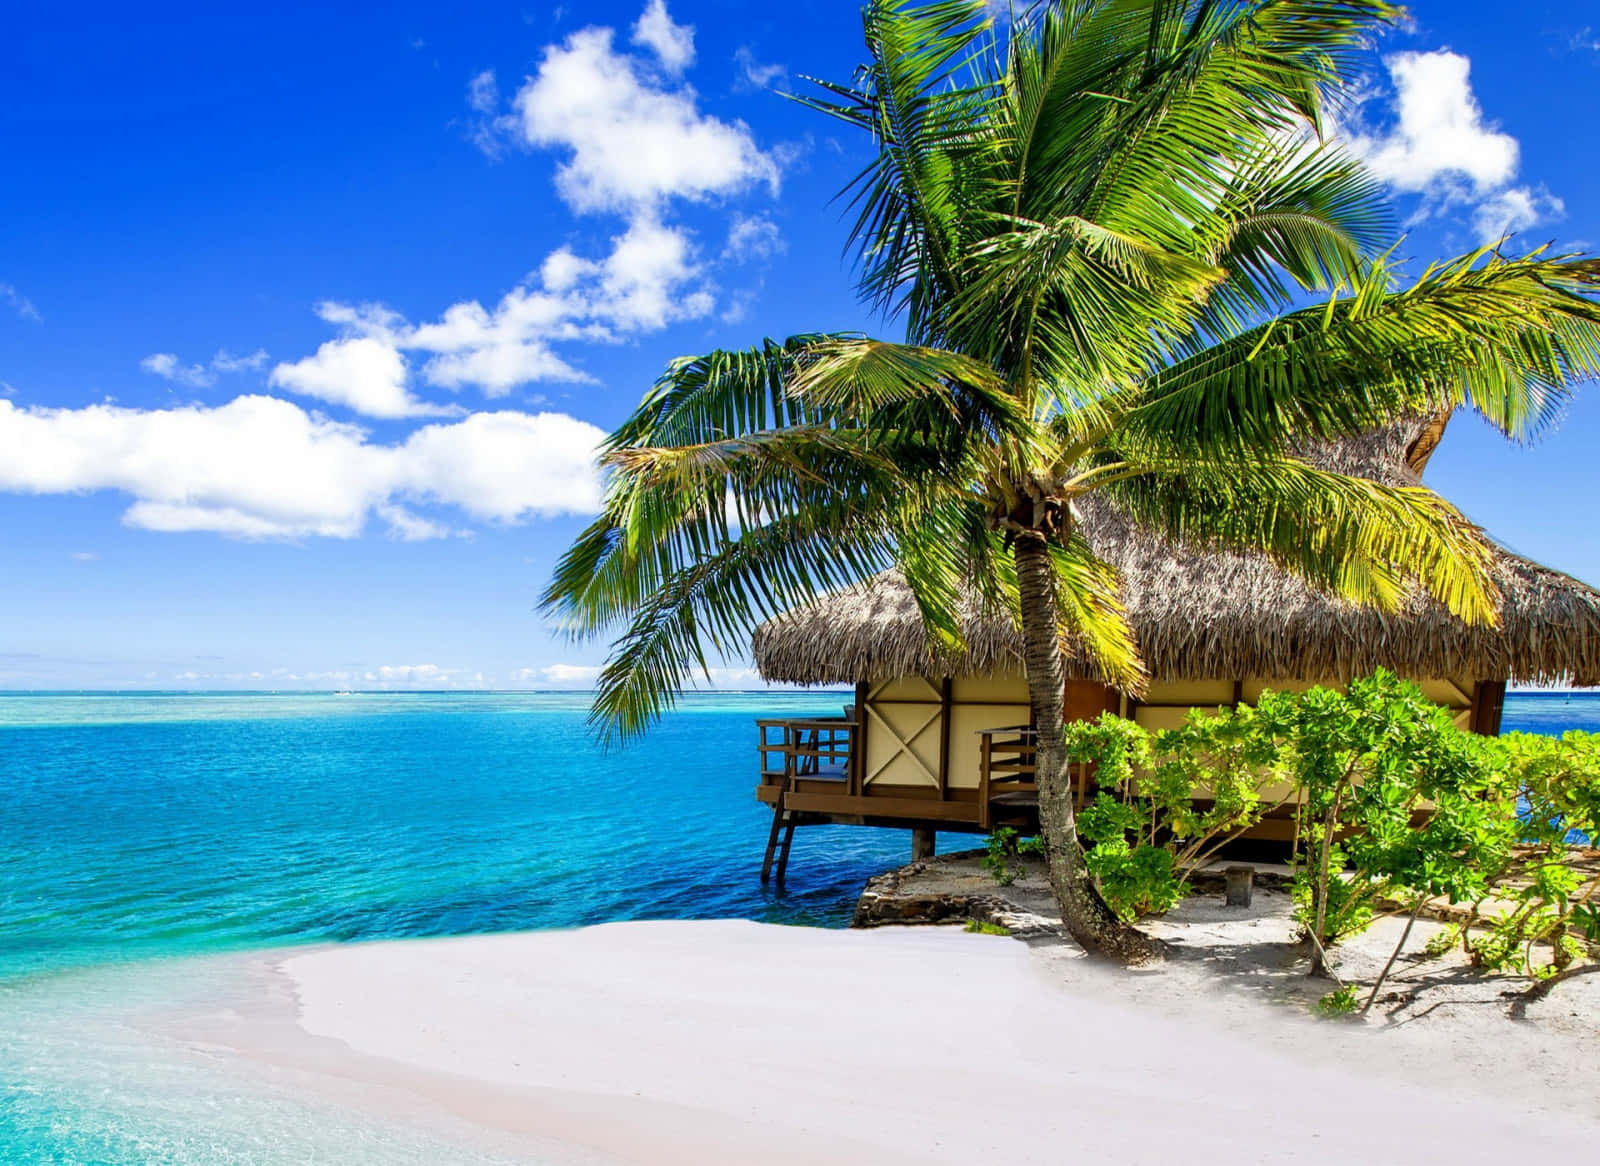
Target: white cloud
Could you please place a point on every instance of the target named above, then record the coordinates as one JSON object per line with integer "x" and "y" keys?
{"x": 20, "y": 304}
{"x": 633, "y": 142}
{"x": 483, "y": 92}
{"x": 258, "y": 467}
{"x": 167, "y": 366}
{"x": 650, "y": 279}
{"x": 752, "y": 73}
{"x": 1515, "y": 209}
{"x": 1440, "y": 134}
{"x": 364, "y": 373}
{"x": 409, "y": 527}
{"x": 83, "y": 556}
{"x": 673, "y": 44}
{"x": 558, "y": 675}
{"x": 753, "y": 237}
{"x": 225, "y": 361}
{"x": 201, "y": 376}
{"x": 1441, "y": 148}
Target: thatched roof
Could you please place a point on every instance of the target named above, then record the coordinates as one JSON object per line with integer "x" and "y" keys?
{"x": 1208, "y": 615}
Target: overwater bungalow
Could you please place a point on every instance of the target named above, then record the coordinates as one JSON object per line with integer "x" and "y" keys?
{"x": 935, "y": 741}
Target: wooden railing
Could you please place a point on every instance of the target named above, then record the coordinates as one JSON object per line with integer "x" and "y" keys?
{"x": 810, "y": 748}
{"x": 1005, "y": 771}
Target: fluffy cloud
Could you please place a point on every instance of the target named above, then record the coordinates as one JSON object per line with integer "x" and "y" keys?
{"x": 1514, "y": 209}
{"x": 753, "y": 237}
{"x": 633, "y": 143}
{"x": 364, "y": 373}
{"x": 557, "y": 676}
{"x": 167, "y": 366}
{"x": 634, "y": 140}
{"x": 1441, "y": 148}
{"x": 673, "y": 44}
{"x": 259, "y": 467}
{"x": 650, "y": 279}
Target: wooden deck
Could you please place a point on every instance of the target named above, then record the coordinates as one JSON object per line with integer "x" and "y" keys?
{"x": 812, "y": 773}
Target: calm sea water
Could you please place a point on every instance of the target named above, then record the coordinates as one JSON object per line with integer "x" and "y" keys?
{"x": 139, "y": 828}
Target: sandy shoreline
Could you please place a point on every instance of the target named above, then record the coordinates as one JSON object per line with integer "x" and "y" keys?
{"x": 732, "y": 1041}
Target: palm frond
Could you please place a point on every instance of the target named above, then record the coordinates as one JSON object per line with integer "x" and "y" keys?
{"x": 1353, "y": 537}
{"x": 1507, "y": 337}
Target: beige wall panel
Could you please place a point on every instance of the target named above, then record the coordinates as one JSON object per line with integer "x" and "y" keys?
{"x": 907, "y": 688}
{"x": 1168, "y": 718}
{"x": 1002, "y": 688}
{"x": 1191, "y": 692}
{"x": 1254, "y": 686}
{"x": 898, "y": 735}
{"x": 966, "y": 720}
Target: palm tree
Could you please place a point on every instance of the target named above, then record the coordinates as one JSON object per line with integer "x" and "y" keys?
{"x": 1127, "y": 262}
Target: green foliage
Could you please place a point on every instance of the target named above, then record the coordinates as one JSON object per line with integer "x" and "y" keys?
{"x": 1393, "y": 801}
{"x": 1166, "y": 802}
{"x": 1342, "y": 1001}
{"x": 1006, "y": 849}
{"x": 1442, "y": 942}
{"x": 1540, "y": 898}
{"x": 978, "y": 927}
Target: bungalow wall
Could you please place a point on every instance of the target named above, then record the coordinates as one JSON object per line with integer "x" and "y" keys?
{"x": 922, "y": 734}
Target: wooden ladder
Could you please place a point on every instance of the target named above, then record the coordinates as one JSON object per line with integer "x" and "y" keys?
{"x": 784, "y": 821}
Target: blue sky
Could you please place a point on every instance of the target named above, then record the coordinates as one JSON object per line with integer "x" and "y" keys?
{"x": 309, "y": 316}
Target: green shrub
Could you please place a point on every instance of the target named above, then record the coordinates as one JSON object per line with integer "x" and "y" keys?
{"x": 1146, "y": 829}
{"x": 1006, "y": 850}
{"x": 1341, "y": 1001}
{"x": 977, "y": 927}
{"x": 1393, "y": 803}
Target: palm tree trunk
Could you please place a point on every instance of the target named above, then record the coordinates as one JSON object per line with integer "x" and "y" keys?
{"x": 1087, "y": 918}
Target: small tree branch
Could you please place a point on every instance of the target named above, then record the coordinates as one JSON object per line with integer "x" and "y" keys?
{"x": 1519, "y": 1007}
{"x": 1394, "y": 955}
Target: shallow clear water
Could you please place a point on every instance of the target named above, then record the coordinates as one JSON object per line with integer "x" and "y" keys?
{"x": 147, "y": 827}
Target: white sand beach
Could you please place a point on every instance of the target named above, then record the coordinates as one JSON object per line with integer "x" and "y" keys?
{"x": 680, "y": 1042}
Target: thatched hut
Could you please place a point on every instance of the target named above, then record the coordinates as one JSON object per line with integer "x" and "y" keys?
{"x": 1215, "y": 629}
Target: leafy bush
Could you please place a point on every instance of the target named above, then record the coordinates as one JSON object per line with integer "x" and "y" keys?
{"x": 1166, "y": 802}
{"x": 1006, "y": 851}
{"x": 978, "y": 927}
{"x": 1541, "y": 895}
{"x": 1392, "y": 802}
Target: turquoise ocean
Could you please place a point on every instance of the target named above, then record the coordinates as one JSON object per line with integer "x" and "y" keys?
{"x": 140, "y": 830}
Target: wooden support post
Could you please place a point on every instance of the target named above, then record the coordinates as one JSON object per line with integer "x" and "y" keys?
{"x": 778, "y": 816}
{"x": 1238, "y": 693}
{"x": 922, "y": 843}
{"x": 1240, "y": 881}
{"x": 985, "y": 759}
{"x": 858, "y": 746}
{"x": 783, "y": 854}
{"x": 1488, "y": 702}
